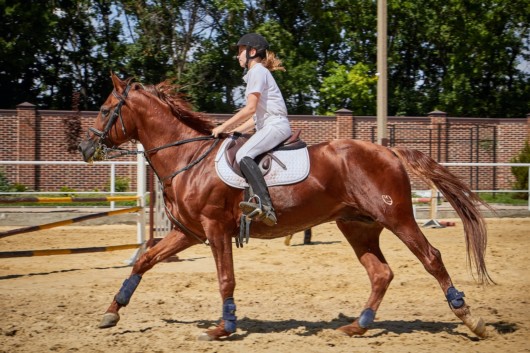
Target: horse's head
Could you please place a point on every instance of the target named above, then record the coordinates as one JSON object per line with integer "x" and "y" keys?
{"x": 110, "y": 128}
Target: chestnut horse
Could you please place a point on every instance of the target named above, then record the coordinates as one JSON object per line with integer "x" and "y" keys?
{"x": 361, "y": 186}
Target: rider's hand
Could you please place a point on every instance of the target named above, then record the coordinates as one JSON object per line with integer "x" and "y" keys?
{"x": 217, "y": 131}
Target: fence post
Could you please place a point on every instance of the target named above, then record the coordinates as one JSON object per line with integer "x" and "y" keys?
{"x": 439, "y": 119}
{"x": 140, "y": 186}
{"x": 112, "y": 183}
{"x": 141, "y": 193}
{"x": 433, "y": 211}
{"x": 528, "y": 139}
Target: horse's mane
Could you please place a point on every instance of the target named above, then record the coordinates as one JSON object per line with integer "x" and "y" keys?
{"x": 180, "y": 108}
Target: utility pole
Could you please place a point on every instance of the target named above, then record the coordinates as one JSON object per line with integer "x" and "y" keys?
{"x": 382, "y": 96}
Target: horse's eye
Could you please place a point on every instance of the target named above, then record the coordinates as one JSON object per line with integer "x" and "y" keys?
{"x": 105, "y": 111}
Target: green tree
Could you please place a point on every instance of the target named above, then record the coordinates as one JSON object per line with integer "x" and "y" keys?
{"x": 51, "y": 49}
{"x": 213, "y": 74}
{"x": 87, "y": 48}
{"x": 462, "y": 57}
{"x": 521, "y": 173}
{"x": 353, "y": 88}
{"x": 165, "y": 32}
{"x": 459, "y": 56}
{"x": 19, "y": 71}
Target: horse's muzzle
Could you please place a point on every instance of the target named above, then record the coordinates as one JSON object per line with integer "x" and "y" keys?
{"x": 87, "y": 149}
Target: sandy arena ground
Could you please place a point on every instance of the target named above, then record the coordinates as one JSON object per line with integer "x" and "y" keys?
{"x": 290, "y": 299}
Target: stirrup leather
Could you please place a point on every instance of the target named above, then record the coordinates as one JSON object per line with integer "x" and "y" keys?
{"x": 256, "y": 211}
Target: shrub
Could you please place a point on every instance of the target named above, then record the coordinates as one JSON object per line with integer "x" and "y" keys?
{"x": 521, "y": 173}
{"x": 67, "y": 191}
{"x": 121, "y": 184}
{"x": 20, "y": 187}
{"x": 4, "y": 183}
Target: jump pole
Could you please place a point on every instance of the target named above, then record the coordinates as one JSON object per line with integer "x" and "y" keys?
{"x": 68, "y": 221}
{"x": 66, "y": 199}
{"x": 48, "y": 252}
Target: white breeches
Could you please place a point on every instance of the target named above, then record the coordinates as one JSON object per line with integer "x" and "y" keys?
{"x": 265, "y": 139}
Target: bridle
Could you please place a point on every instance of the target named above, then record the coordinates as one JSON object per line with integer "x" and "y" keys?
{"x": 116, "y": 113}
{"x": 118, "y": 152}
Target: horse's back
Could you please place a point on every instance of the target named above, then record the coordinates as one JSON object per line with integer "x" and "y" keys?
{"x": 353, "y": 154}
{"x": 360, "y": 172}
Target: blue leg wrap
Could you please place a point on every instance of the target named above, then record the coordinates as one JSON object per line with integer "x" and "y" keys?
{"x": 367, "y": 318}
{"x": 229, "y": 315}
{"x": 127, "y": 289}
{"x": 455, "y": 298}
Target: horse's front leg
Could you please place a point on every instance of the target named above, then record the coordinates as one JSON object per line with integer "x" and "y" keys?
{"x": 221, "y": 246}
{"x": 173, "y": 243}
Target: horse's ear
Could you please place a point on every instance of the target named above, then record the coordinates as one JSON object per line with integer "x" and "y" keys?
{"x": 119, "y": 85}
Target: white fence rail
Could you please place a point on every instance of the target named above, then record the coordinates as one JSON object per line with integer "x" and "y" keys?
{"x": 140, "y": 191}
{"x": 527, "y": 165}
{"x": 112, "y": 176}
{"x": 141, "y": 164}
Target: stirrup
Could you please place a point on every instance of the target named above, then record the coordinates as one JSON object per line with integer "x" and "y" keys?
{"x": 256, "y": 211}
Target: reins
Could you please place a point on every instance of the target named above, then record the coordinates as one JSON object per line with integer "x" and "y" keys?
{"x": 125, "y": 152}
{"x": 182, "y": 142}
{"x": 174, "y": 220}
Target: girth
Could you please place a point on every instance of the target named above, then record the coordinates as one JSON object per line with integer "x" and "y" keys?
{"x": 264, "y": 160}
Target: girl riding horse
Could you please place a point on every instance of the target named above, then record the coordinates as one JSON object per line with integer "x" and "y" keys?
{"x": 266, "y": 105}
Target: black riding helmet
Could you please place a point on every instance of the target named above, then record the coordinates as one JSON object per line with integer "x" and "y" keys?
{"x": 256, "y": 41}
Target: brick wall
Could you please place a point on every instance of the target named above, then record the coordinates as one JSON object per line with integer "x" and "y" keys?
{"x": 29, "y": 134}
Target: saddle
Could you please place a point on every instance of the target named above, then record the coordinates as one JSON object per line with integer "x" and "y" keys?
{"x": 264, "y": 160}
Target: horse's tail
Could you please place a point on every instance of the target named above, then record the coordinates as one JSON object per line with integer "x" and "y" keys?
{"x": 463, "y": 200}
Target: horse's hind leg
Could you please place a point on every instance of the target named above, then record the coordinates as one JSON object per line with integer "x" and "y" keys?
{"x": 171, "y": 244}
{"x": 364, "y": 239}
{"x": 431, "y": 258}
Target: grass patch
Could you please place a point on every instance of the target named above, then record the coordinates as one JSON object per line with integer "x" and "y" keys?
{"x": 502, "y": 198}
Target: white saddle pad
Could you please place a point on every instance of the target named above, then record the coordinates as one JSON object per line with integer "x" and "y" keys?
{"x": 296, "y": 162}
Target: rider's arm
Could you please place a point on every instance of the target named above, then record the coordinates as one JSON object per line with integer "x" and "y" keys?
{"x": 245, "y": 113}
{"x": 246, "y": 126}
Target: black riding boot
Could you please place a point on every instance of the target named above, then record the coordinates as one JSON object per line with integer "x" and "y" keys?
{"x": 252, "y": 173}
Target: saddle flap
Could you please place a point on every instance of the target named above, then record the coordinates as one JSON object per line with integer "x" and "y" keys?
{"x": 233, "y": 146}
{"x": 283, "y": 167}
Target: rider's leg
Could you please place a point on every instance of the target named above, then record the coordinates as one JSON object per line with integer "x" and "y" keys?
{"x": 262, "y": 141}
{"x": 252, "y": 173}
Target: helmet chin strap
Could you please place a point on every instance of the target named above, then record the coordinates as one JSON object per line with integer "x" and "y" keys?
{"x": 247, "y": 64}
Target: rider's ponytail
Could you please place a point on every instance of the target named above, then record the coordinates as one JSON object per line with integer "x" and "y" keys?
{"x": 272, "y": 62}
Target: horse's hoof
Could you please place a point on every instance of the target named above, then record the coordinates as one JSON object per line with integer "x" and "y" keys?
{"x": 341, "y": 333}
{"x": 205, "y": 337}
{"x": 215, "y": 333}
{"x": 479, "y": 328}
{"x": 109, "y": 320}
{"x": 352, "y": 330}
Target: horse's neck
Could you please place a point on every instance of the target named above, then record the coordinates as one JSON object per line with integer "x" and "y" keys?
{"x": 164, "y": 129}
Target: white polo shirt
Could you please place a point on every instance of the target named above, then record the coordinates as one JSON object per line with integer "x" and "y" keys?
{"x": 271, "y": 104}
